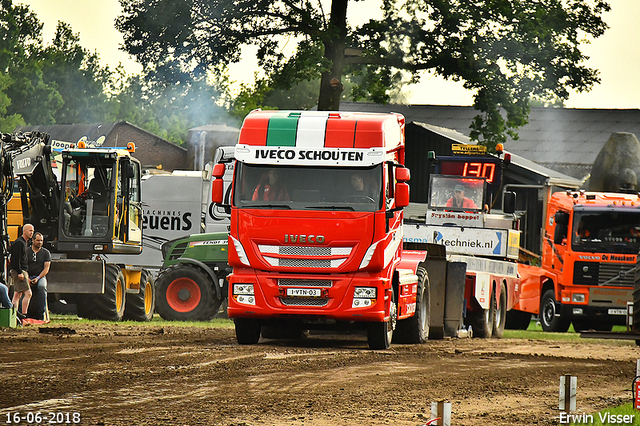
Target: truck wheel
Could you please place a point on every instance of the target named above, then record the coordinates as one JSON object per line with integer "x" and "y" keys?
{"x": 501, "y": 313}
{"x": 380, "y": 334}
{"x": 109, "y": 305}
{"x": 416, "y": 328}
{"x": 247, "y": 330}
{"x": 185, "y": 293}
{"x": 549, "y": 315}
{"x": 481, "y": 320}
{"x": 140, "y": 307}
{"x": 518, "y": 320}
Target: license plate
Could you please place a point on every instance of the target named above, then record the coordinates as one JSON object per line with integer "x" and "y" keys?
{"x": 304, "y": 292}
{"x": 617, "y": 312}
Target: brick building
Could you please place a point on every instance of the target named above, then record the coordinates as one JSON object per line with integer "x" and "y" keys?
{"x": 152, "y": 151}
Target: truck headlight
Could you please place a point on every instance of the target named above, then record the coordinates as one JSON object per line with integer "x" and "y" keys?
{"x": 578, "y": 297}
{"x": 364, "y": 297}
{"x": 244, "y": 293}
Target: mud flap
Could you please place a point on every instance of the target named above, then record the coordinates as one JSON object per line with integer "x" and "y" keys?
{"x": 76, "y": 276}
{"x": 454, "y": 298}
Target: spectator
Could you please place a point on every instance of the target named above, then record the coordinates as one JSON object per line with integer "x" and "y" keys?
{"x": 5, "y": 302}
{"x": 39, "y": 261}
{"x": 19, "y": 275}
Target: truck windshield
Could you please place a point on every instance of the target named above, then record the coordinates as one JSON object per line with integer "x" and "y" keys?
{"x": 455, "y": 193}
{"x": 606, "y": 232}
{"x": 308, "y": 188}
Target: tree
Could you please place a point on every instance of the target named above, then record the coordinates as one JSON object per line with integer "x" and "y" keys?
{"x": 504, "y": 50}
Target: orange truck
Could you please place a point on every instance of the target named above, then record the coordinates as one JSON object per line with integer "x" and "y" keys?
{"x": 588, "y": 263}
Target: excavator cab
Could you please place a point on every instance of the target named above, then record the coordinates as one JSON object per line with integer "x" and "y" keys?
{"x": 100, "y": 207}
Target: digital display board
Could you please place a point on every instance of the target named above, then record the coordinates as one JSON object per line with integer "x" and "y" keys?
{"x": 478, "y": 167}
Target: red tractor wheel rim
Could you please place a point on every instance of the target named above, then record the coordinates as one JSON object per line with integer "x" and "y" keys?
{"x": 183, "y": 295}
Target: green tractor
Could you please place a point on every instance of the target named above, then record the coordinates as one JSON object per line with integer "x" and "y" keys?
{"x": 192, "y": 284}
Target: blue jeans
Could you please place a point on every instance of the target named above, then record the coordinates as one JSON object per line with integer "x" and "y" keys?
{"x": 5, "y": 302}
{"x": 38, "y": 304}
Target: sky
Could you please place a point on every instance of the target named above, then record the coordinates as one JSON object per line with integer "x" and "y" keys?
{"x": 616, "y": 54}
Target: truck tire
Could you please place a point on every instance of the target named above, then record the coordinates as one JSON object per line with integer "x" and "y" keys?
{"x": 416, "y": 328}
{"x": 500, "y": 317}
{"x": 518, "y": 320}
{"x": 549, "y": 318}
{"x": 141, "y": 306}
{"x": 481, "y": 320}
{"x": 186, "y": 293}
{"x": 109, "y": 305}
{"x": 380, "y": 334}
{"x": 247, "y": 330}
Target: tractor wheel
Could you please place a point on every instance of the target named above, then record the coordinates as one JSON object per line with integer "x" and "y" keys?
{"x": 140, "y": 307}
{"x": 186, "y": 293}
{"x": 501, "y": 313}
{"x": 416, "y": 328}
{"x": 550, "y": 318}
{"x": 247, "y": 330}
{"x": 109, "y": 305}
{"x": 380, "y": 334}
{"x": 518, "y": 320}
{"x": 481, "y": 320}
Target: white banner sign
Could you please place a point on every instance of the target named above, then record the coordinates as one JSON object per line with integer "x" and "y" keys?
{"x": 308, "y": 156}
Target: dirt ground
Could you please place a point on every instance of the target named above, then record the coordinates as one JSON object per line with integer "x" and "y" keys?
{"x": 144, "y": 375}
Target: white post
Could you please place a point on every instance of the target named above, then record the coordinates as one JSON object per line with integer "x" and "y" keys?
{"x": 441, "y": 410}
{"x": 568, "y": 392}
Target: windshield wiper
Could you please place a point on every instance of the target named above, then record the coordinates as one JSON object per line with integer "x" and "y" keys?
{"x": 331, "y": 208}
{"x": 284, "y": 206}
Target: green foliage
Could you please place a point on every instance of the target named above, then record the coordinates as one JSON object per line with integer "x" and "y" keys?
{"x": 505, "y": 51}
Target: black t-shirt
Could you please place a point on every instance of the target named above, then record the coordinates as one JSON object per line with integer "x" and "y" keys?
{"x": 19, "y": 254}
{"x": 36, "y": 266}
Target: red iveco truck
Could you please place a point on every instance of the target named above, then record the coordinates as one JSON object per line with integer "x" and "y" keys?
{"x": 316, "y": 228}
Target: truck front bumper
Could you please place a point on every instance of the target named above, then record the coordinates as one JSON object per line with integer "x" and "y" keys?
{"x": 308, "y": 297}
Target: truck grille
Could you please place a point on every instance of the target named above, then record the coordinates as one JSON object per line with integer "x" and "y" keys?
{"x": 285, "y": 282}
{"x": 594, "y": 273}
{"x": 305, "y": 256}
{"x": 301, "y": 301}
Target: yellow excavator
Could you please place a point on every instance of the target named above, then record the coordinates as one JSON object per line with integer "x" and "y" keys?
{"x": 89, "y": 206}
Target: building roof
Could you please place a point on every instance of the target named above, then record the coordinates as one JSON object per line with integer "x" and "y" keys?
{"x": 564, "y": 139}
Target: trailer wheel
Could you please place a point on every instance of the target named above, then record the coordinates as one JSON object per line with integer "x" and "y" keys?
{"x": 416, "y": 328}
{"x": 247, "y": 330}
{"x": 140, "y": 307}
{"x": 481, "y": 320}
{"x": 501, "y": 313}
{"x": 518, "y": 320}
{"x": 590, "y": 324}
{"x": 550, "y": 319}
{"x": 380, "y": 334}
{"x": 186, "y": 293}
{"x": 109, "y": 305}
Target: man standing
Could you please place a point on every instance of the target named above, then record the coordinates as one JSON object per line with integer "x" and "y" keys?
{"x": 39, "y": 260}
{"x": 19, "y": 265}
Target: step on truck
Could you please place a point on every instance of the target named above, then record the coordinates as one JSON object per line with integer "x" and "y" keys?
{"x": 458, "y": 219}
{"x": 316, "y": 212}
{"x": 588, "y": 265}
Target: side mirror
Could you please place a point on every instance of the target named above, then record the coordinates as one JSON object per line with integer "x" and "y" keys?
{"x": 560, "y": 233}
{"x": 402, "y": 174}
{"x": 217, "y": 190}
{"x": 402, "y": 194}
{"x": 509, "y": 202}
{"x": 218, "y": 171}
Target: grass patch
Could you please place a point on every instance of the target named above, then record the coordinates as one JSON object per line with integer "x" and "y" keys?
{"x": 613, "y": 416}
{"x": 157, "y": 321}
{"x": 535, "y": 332}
